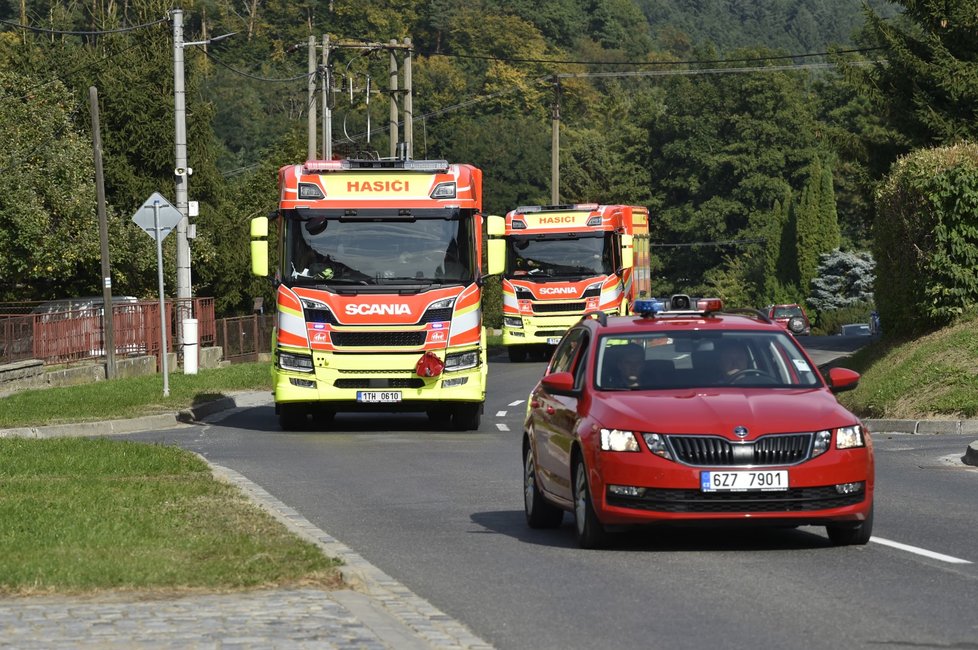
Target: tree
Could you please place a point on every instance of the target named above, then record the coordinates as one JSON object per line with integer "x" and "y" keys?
{"x": 844, "y": 279}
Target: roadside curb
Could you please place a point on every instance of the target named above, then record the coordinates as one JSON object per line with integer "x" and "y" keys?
{"x": 967, "y": 427}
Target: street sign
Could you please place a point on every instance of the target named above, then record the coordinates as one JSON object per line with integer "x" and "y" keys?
{"x": 169, "y": 216}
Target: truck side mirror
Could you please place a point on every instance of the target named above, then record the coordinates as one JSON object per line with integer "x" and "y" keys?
{"x": 259, "y": 246}
{"x": 497, "y": 256}
{"x": 495, "y": 226}
{"x": 627, "y": 252}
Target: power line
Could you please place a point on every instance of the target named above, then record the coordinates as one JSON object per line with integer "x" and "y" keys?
{"x": 59, "y": 32}
{"x": 242, "y": 73}
{"x": 669, "y": 73}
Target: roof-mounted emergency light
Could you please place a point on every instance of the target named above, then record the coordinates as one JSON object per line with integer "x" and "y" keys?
{"x": 435, "y": 166}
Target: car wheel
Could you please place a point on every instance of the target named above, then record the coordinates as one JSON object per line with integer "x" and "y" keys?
{"x": 590, "y": 532}
{"x": 292, "y": 417}
{"x": 851, "y": 534}
{"x": 796, "y": 325}
{"x": 466, "y": 417}
{"x": 540, "y": 513}
{"x": 517, "y": 353}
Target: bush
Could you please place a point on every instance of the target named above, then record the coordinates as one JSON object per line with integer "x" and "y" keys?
{"x": 926, "y": 239}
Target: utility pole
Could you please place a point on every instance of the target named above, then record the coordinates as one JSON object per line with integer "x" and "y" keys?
{"x": 327, "y": 111}
{"x": 408, "y": 102}
{"x": 311, "y": 100}
{"x": 108, "y": 314}
{"x": 181, "y": 172}
{"x": 555, "y": 146}
{"x": 393, "y": 90}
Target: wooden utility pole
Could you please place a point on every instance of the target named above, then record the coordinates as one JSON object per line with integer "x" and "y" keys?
{"x": 108, "y": 322}
{"x": 311, "y": 100}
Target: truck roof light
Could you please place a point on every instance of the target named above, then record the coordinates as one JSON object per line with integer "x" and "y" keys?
{"x": 585, "y": 206}
{"x": 310, "y": 191}
{"x": 523, "y": 209}
{"x": 518, "y": 224}
{"x": 594, "y": 221}
{"x": 444, "y": 190}
{"x": 313, "y": 166}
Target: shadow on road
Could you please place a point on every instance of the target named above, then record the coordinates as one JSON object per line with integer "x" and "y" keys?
{"x": 661, "y": 538}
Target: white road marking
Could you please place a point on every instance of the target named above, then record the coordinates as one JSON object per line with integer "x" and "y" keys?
{"x": 919, "y": 551}
{"x": 517, "y": 402}
{"x": 501, "y": 426}
{"x": 500, "y": 414}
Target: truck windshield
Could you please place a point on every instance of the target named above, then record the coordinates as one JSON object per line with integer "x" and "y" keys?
{"x": 410, "y": 251}
{"x": 563, "y": 256}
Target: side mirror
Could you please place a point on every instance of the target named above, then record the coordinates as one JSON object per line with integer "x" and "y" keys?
{"x": 842, "y": 379}
{"x": 560, "y": 383}
{"x": 627, "y": 252}
{"x": 259, "y": 246}
{"x": 497, "y": 256}
{"x": 495, "y": 226}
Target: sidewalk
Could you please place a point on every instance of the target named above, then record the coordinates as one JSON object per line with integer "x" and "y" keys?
{"x": 376, "y": 612}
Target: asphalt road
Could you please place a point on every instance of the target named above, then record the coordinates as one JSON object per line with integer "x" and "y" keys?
{"x": 442, "y": 513}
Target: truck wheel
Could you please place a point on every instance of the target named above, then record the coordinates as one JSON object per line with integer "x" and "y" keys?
{"x": 517, "y": 353}
{"x": 466, "y": 417}
{"x": 292, "y": 417}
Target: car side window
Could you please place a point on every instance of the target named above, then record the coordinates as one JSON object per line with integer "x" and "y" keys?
{"x": 563, "y": 359}
{"x": 580, "y": 364}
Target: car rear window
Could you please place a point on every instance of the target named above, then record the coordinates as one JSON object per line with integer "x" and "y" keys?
{"x": 787, "y": 312}
{"x": 701, "y": 359}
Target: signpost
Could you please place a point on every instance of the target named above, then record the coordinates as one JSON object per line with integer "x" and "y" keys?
{"x": 157, "y": 217}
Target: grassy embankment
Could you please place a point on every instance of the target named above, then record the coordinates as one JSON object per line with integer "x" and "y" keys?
{"x": 934, "y": 376}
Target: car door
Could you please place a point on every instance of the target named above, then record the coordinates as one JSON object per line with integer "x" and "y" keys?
{"x": 558, "y": 415}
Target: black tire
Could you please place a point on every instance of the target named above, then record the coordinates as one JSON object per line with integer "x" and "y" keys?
{"x": 590, "y": 533}
{"x": 851, "y": 534}
{"x": 292, "y": 417}
{"x": 466, "y": 417}
{"x": 540, "y": 513}
{"x": 517, "y": 353}
{"x": 796, "y": 325}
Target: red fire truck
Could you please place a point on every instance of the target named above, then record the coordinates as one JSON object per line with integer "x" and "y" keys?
{"x": 379, "y": 290}
{"x": 563, "y": 261}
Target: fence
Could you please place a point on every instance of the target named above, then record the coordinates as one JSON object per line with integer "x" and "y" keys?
{"x": 243, "y": 338}
{"x": 72, "y": 331}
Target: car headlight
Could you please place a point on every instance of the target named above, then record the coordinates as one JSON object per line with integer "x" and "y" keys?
{"x": 297, "y": 362}
{"x": 618, "y": 440}
{"x": 657, "y": 445}
{"x": 849, "y": 437}
{"x": 823, "y": 439}
{"x": 461, "y": 360}
{"x": 513, "y": 321}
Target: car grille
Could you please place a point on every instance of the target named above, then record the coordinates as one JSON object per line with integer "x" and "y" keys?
{"x": 791, "y": 500}
{"x": 415, "y": 382}
{"x": 378, "y": 339}
{"x": 548, "y": 307}
{"x": 714, "y": 451}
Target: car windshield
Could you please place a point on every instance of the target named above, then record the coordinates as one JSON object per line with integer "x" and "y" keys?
{"x": 701, "y": 359}
{"x": 787, "y": 312}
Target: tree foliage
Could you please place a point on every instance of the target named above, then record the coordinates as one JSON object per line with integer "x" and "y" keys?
{"x": 844, "y": 279}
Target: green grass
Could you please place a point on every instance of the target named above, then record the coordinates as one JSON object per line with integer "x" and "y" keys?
{"x": 935, "y": 376}
{"x": 82, "y": 515}
{"x": 131, "y": 397}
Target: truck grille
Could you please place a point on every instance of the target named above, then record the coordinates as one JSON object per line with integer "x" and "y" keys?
{"x": 378, "y": 339}
{"x": 714, "y": 451}
{"x": 792, "y": 500}
{"x": 408, "y": 382}
{"x": 550, "y": 307}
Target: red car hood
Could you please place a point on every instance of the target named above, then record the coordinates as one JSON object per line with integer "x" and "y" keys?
{"x": 720, "y": 410}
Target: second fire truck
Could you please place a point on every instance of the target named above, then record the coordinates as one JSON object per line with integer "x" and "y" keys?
{"x": 564, "y": 261}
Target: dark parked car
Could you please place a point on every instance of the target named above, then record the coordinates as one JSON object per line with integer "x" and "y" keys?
{"x": 855, "y": 329}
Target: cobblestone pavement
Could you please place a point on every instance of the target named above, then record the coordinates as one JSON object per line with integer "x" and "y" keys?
{"x": 376, "y": 612}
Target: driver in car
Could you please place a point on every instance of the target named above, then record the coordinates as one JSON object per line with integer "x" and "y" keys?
{"x": 733, "y": 359}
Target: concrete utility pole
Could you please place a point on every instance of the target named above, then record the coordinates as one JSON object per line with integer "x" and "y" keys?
{"x": 327, "y": 111}
{"x": 181, "y": 171}
{"x": 311, "y": 100}
{"x": 555, "y": 146}
{"x": 393, "y": 90}
{"x": 408, "y": 102}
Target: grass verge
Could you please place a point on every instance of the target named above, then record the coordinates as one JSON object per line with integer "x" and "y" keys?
{"x": 83, "y": 515}
{"x": 934, "y": 376}
{"x": 130, "y": 397}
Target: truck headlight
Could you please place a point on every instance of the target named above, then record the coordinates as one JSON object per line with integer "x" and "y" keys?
{"x": 618, "y": 440}
{"x": 461, "y": 360}
{"x": 513, "y": 321}
{"x": 296, "y": 362}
